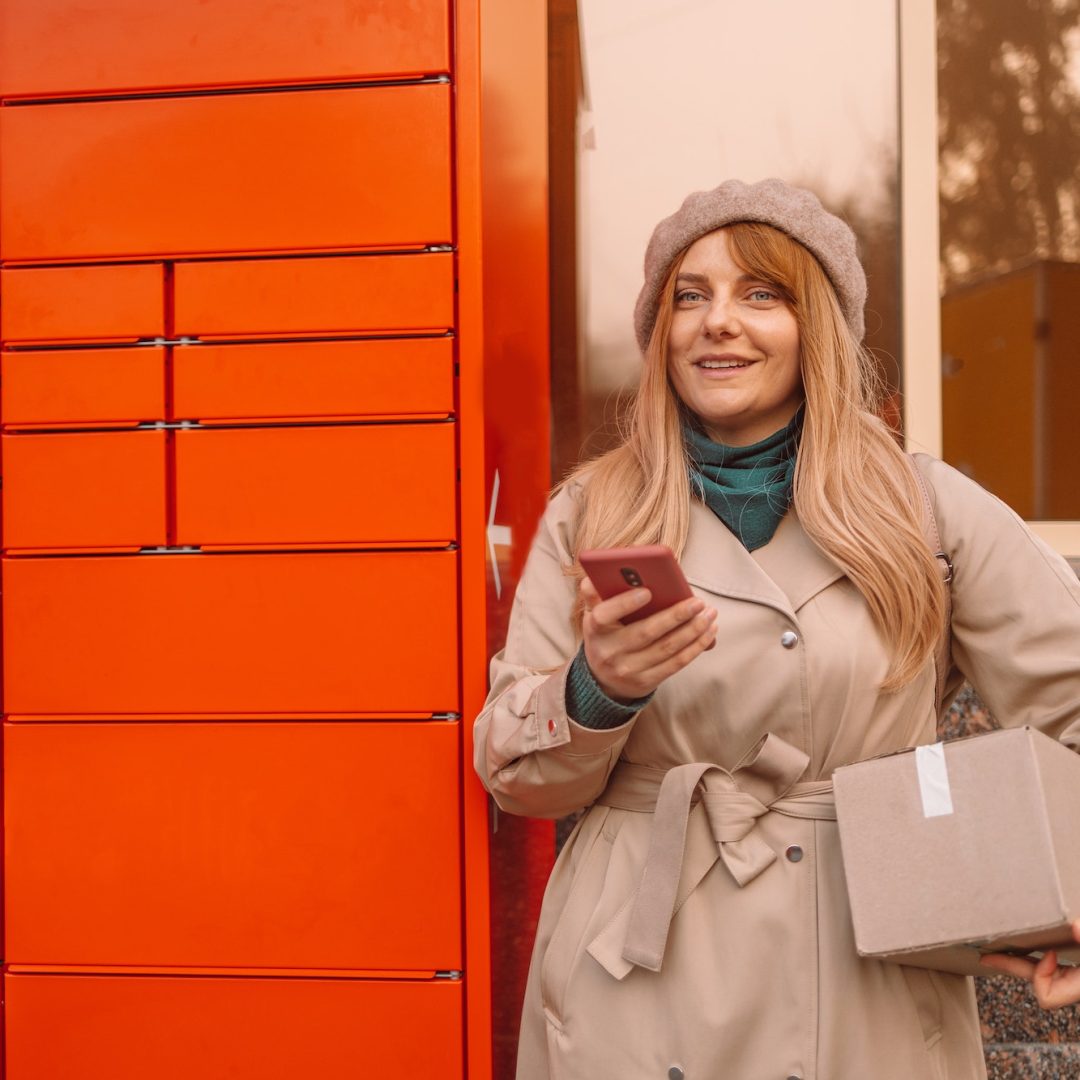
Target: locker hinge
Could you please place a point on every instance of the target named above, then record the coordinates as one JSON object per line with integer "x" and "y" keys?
{"x": 447, "y": 974}
{"x": 163, "y": 550}
{"x": 439, "y": 247}
{"x": 167, "y": 425}
{"x": 438, "y": 78}
{"x": 169, "y": 341}
{"x": 445, "y": 716}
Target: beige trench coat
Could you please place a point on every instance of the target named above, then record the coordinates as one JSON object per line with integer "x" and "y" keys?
{"x": 758, "y": 976}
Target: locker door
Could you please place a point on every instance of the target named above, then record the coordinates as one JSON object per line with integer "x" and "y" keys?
{"x": 322, "y": 484}
{"x": 227, "y": 173}
{"x": 84, "y": 490}
{"x": 102, "y": 1027}
{"x": 56, "y": 47}
{"x": 299, "y": 845}
{"x": 368, "y": 633}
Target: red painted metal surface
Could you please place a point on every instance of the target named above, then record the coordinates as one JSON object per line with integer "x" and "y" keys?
{"x": 374, "y": 378}
{"x": 273, "y": 634}
{"x": 257, "y": 845}
{"x": 315, "y": 297}
{"x": 53, "y": 47}
{"x": 81, "y": 303}
{"x": 64, "y": 387}
{"x": 226, "y": 173}
{"x": 316, "y": 485}
{"x": 83, "y": 490}
{"x": 142, "y": 1027}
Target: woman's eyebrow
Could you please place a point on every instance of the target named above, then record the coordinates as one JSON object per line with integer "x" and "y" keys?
{"x": 702, "y": 279}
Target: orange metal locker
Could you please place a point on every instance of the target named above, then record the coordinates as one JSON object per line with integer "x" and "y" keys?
{"x": 257, "y": 845}
{"x": 84, "y": 490}
{"x": 312, "y": 169}
{"x": 336, "y": 295}
{"x": 69, "y": 387}
{"x": 81, "y": 303}
{"x": 63, "y": 1027}
{"x": 57, "y": 47}
{"x": 322, "y": 484}
{"x": 409, "y": 218}
{"x": 292, "y": 634}
{"x": 375, "y": 378}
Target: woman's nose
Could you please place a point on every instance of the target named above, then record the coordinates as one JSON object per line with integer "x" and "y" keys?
{"x": 721, "y": 319}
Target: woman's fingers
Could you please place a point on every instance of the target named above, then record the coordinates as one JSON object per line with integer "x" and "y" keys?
{"x": 1010, "y": 965}
{"x": 1054, "y": 986}
{"x": 630, "y": 660}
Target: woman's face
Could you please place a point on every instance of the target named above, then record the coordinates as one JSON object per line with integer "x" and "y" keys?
{"x": 733, "y": 348}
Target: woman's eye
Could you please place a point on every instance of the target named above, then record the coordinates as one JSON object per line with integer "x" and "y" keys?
{"x": 691, "y": 296}
{"x": 762, "y": 294}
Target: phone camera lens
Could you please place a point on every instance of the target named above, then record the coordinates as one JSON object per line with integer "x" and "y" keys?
{"x": 630, "y": 576}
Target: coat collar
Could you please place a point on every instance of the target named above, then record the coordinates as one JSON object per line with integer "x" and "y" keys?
{"x": 784, "y": 574}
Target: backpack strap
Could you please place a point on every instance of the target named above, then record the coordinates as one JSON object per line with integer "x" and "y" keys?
{"x": 933, "y": 538}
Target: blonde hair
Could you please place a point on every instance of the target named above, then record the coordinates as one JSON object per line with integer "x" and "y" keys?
{"x": 854, "y": 489}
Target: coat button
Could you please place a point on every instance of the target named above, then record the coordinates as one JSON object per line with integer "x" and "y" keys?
{"x": 794, "y": 854}
{"x": 675, "y": 1073}
{"x": 794, "y": 1077}
{"x": 789, "y": 639}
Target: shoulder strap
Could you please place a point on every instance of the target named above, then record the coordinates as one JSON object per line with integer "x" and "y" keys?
{"x": 933, "y": 538}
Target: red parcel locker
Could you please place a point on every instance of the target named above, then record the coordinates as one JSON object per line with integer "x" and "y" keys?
{"x": 53, "y": 47}
{"x": 143, "y": 1027}
{"x": 102, "y": 489}
{"x": 314, "y": 170}
{"x": 258, "y": 845}
{"x": 45, "y": 388}
{"x": 348, "y": 247}
{"x": 294, "y": 634}
{"x": 374, "y": 378}
{"x": 316, "y": 485}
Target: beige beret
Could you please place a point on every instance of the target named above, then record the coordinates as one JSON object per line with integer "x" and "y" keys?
{"x": 793, "y": 210}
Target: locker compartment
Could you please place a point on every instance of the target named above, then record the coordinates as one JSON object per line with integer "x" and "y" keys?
{"x": 107, "y": 1027}
{"x": 317, "y": 169}
{"x": 316, "y": 485}
{"x": 56, "y": 47}
{"x": 305, "y": 845}
{"x": 80, "y": 303}
{"x": 84, "y": 490}
{"x": 314, "y": 379}
{"x": 83, "y": 386}
{"x": 334, "y": 295}
{"x": 341, "y": 633}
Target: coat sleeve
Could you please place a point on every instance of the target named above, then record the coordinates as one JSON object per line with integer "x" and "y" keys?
{"x": 531, "y": 756}
{"x": 1016, "y": 608}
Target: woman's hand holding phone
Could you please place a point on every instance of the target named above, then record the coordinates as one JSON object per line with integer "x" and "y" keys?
{"x": 631, "y": 660}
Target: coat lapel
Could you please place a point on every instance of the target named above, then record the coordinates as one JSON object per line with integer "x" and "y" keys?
{"x": 784, "y": 574}
{"x": 795, "y": 563}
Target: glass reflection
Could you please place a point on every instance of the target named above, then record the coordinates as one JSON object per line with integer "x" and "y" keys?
{"x": 687, "y": 93}
{"x": 1009, "y": 108}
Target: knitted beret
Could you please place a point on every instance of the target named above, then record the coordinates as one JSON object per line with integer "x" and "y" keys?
{"x": 793, "y": 210}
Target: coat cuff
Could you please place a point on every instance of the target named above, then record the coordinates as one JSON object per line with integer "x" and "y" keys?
{"x": 589, "y": 706}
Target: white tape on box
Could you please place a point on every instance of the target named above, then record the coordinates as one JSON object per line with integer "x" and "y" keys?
{"x": 933, "y": 780}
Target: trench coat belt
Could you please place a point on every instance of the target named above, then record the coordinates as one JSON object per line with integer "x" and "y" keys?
{"x": 765, "y": 780}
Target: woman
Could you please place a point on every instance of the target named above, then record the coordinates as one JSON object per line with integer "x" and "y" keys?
{"x": 708, "y": 936}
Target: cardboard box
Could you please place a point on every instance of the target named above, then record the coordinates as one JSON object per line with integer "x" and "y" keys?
{"x": 963, "y": 848}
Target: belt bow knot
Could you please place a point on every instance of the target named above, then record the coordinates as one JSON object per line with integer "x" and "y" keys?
{"x": 733, "y": 801}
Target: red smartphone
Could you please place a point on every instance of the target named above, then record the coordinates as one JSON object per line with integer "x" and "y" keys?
{"x": 614, "y": 570}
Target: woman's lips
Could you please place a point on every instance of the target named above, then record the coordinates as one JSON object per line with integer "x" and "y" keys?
{"x": 716, "y": 367}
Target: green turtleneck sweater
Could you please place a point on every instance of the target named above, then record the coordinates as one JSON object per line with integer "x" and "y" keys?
{"x": 749, "y": 489}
